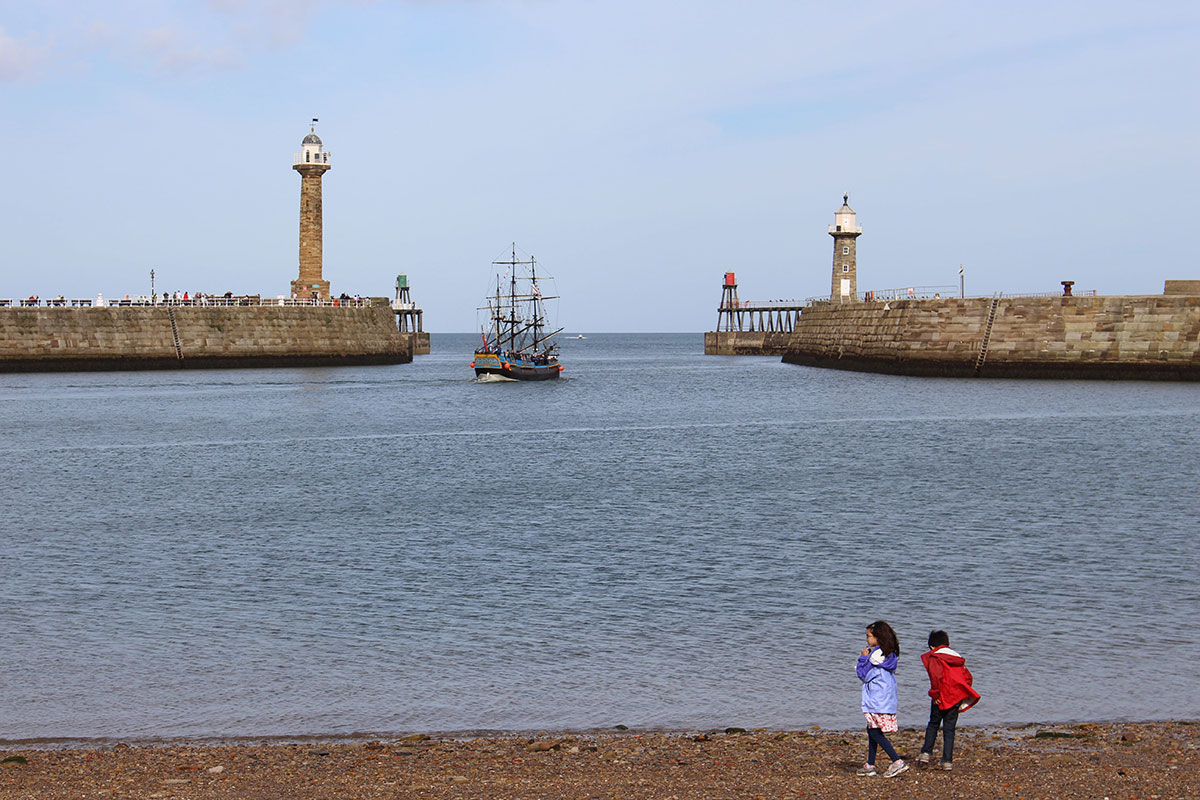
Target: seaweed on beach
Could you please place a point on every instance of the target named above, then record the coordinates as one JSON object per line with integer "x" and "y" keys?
{"x": 1044, "y": 734}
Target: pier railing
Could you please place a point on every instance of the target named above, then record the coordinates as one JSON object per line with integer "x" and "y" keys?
{"x": 202, "y": 301}
{"x": 747, "y": 304}
{"x": 936, "y": 292}
{"x": 1080, "y": 293}
{"x": 910, "y": 293}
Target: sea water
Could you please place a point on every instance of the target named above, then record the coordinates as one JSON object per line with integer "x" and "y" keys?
{"x": 661, "y": 539}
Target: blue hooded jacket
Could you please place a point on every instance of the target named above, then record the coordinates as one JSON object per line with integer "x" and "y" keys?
{"x": 878, "y": 676}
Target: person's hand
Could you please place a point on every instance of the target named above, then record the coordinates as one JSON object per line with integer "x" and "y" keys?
{"x": 865, "y": 651}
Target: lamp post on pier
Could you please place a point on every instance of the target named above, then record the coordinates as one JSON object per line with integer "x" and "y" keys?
{"x": 152, "y": 294}
{"x": 961, "y": 285}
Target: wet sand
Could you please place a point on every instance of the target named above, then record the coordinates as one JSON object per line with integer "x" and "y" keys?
{"x": 1113, "y": 760}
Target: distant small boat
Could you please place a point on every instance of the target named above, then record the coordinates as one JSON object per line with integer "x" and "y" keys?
{"x": 518, "y": 347}
{"x": 579, "y": 336}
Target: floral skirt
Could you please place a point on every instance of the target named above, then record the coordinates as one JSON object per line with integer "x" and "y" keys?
{"x": 885, "y": 722}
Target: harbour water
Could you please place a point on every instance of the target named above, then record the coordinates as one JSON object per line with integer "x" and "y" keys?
{"x": 660, "y": 539}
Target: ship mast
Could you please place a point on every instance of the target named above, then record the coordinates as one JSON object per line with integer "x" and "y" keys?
{"x": 497, "y": 316}
{"x": 519, "y": 332}
{"x": 512, "y": 303}
{"x": 534, "y": 303}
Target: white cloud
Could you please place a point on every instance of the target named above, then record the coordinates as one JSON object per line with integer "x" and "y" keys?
{"x": 176, "y": 39}
{"x": 19, "y": 58}
{"x": 172, "y": 50}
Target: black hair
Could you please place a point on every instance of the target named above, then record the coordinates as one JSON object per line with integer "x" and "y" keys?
{"x": 883, "y": 633}
{"x": 939, "y": 639}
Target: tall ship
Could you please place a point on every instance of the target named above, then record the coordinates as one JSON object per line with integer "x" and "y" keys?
{"x": 518, "y": 343}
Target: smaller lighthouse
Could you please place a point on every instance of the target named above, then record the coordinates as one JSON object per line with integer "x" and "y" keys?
{"x": 845, "y": 230}
{"x": 311, "y": 162}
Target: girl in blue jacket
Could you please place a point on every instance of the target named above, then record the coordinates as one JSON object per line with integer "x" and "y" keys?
{"x": 877, "y": 671}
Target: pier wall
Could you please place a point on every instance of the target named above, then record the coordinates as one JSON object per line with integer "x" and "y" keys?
{"x": 50, "y": 339}
{"x": 746, "y": 343}
{"x": 418, "y": 341}
{"x": 1133, "y": 336}
{"x": 1182, "y": 287}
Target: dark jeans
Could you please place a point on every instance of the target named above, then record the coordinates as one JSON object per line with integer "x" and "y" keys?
{"x": 947, "y": 719}
{"x": 877, "y": 737}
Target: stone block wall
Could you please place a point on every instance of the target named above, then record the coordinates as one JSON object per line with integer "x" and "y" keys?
{"x": 311, "y": 232}
{"x": 1141, "y": 336}
{"x": 844, "y": 241}
{"x": 419, "y": 342}
{"x": 42, "y": 339}
{"x": 745, "y": 343}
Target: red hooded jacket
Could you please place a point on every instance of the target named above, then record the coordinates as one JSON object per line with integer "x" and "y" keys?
{"x": 949, "y": 679}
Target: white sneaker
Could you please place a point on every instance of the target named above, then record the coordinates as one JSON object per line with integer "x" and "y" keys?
{"x": 923, "y": 757}
{"x": 895, "y": 769}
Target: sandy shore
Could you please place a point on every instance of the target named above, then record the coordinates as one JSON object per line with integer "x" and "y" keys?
{"x": 1114, "y": 760}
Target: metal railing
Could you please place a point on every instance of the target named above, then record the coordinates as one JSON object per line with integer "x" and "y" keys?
{"x": 202, "y": 301}
{"x": 941, "y": 292}
{"x": 34, "y": 302}
{"x": 910, "y": 293}
{"x": 747, "y": 304}
{"x": 1080, "y": 293}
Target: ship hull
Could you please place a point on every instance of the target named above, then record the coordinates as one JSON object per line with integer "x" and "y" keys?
{"x": 504, "y": 367}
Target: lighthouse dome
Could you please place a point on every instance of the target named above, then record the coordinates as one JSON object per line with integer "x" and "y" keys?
{"x": 844, "y": 219}
{"x": 311, "y": 151}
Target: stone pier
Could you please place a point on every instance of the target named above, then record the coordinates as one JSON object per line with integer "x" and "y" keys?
{"x": 1152, "y": 337}
{"x": 169, "y": 337}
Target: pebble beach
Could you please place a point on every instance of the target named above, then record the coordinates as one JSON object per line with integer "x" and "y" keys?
{"x": 1111, "y": 760}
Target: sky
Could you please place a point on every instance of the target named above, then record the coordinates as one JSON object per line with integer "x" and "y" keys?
{"x": 638, "y": 149}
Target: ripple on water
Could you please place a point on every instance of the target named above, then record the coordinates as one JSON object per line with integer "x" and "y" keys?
{"x": 664, "y": 540}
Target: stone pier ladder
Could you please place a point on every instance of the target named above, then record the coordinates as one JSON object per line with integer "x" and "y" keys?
{"x": 175, "y": 332}
{"x": 987, "y": 334}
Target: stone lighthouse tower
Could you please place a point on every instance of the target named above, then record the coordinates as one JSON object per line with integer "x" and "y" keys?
{"x": 311, "y": 162}
{"x": 845, "y": 230}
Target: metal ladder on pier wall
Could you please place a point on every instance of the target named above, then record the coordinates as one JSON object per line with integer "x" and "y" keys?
{"x": 175, "y": 332}
{"x": 987, "y": 334}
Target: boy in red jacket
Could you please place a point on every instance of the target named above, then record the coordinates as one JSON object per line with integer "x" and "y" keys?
{"x": 951, "y": 692}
